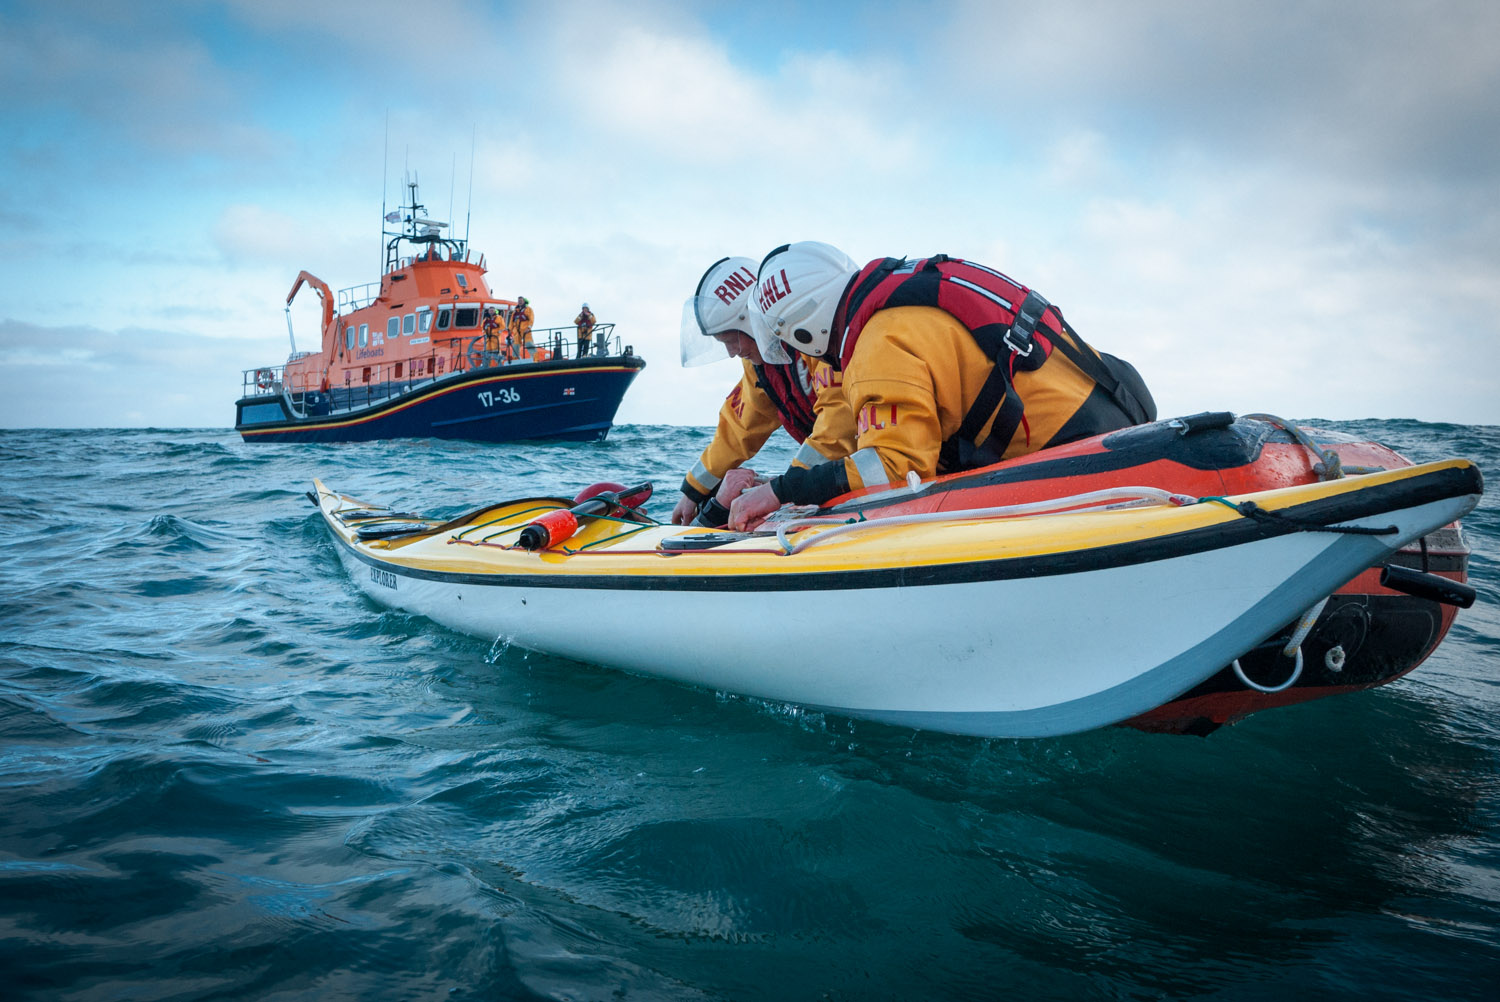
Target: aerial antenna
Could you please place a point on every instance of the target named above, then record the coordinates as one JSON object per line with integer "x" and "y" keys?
{"x": 452, "y": 181}
{"x": 385, "y": 170}
{"x": 473, "y": 131}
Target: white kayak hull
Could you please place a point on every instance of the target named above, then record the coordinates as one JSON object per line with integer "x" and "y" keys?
{"x": 1059, "y": 643}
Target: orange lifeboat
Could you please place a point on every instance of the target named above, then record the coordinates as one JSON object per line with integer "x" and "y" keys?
{"x": 431, "y": 351}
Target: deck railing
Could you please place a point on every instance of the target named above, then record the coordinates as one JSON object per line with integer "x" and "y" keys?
{"x": 357, "y": 297}
{"x": 305, "y": 394}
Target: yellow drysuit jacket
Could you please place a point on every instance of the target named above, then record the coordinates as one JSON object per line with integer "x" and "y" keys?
{"x": 749, "y": 417}
{"x": 914, "y": 374}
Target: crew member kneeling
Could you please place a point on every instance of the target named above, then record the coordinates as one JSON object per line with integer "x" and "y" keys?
{"x": 801, "y": 395}
{"x": 948, "y": 365}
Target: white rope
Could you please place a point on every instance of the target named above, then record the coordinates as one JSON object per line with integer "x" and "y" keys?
{"x": 1296, "y": 674}
{"x": 1304, "y": 625}
{"x": 1293, "y": 649}
{"x": 1094, "y": 500}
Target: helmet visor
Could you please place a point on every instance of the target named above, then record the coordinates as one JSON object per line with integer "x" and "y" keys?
{"x": 772, "y": 348}
{"x": 698, "y": 347}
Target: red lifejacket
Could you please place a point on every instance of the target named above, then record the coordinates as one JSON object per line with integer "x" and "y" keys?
{"x": 983, "y": 300}
{"x": 1016, "y": 328}
{"x": 791, "y": 391}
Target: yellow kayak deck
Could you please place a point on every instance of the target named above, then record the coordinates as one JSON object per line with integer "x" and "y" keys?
{"x": 483, "y": 542}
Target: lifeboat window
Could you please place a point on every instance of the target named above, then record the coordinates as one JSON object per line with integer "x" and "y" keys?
{"x": 466, "y": 316}
{"x": 409, "y": 324}
{"x": 393, "y": 328}
{"x": 463, "y": 283}
{"x": 424, "y": 322}
{"x": 444, "y": 316}
{"x": 364, "y": 335}
{"x": 349, "y": 336}
{"x": 364, "y": 332}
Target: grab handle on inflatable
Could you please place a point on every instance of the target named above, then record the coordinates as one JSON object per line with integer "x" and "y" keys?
{"x": 1207, "y": 421}
{"x": 1430, "y": 586}
{"x": 611, "y": 492}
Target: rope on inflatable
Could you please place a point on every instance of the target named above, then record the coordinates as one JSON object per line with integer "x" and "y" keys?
{"x": 1328, "y": 467}
{"x": 1115, "y": 497}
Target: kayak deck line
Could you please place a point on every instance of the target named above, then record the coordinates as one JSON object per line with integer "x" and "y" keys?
{"x": 951, "y": 539}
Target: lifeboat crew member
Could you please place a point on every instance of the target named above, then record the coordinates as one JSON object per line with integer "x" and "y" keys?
{"x": 947, "y": 365}
{"x": 521, "y": 318}
{"x": 802, "y": 395}
{"x": 585, "y": 324}
{"x": 491, "y": 350}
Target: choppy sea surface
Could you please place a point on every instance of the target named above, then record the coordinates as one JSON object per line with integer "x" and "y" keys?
{"x": 225, "y": 774}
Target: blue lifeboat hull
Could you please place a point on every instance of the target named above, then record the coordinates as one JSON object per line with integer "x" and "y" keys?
{"x": 565, "y": 399}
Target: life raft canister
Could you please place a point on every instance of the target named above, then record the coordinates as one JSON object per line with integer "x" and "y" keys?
{"x": 1015, "y": 327}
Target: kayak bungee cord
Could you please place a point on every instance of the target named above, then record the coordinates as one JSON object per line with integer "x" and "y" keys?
{"x": 636, "y": 523}
{"x": 1250, "y": 509}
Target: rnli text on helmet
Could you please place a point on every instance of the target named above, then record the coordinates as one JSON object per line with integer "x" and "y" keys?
{"x": 769, "y": 293}
{"x": 735, "y": 283}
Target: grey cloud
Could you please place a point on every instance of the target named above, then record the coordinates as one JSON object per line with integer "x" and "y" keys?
{"x": 148, "y": 82}
{"x": 1360, "y": 88}
{"x": 79, "y": 376}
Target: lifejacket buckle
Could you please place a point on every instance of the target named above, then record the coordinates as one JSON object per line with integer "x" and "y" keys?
{"x": 1028, "y": 315}
{"x": 1018, "y": 349}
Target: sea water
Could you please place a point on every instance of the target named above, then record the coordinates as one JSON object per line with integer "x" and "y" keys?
{"x": 225, "y": 774}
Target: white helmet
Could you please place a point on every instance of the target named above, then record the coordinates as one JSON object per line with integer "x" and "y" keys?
{"x": 720, "y": 305}
{"x": 797, "y": 293}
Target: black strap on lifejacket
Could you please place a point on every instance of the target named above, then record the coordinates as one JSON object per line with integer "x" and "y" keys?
{"x": 1020, "y": 338}
{"x": 1091, "y": 365}
{"x": 1009, "y": 347}
{"x": 998, "y": 395}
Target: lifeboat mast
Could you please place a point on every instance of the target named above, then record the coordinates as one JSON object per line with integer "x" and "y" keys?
{"x": 417, "y": 229}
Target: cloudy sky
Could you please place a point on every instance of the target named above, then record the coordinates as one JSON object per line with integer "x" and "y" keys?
{"x": 1273, "y": 206}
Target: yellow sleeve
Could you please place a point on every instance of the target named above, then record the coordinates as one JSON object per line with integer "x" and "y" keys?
{"x": 906, "y": 385}
{"x": 746, "y": 420}
{"x": 832, "y": 436}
